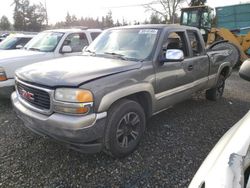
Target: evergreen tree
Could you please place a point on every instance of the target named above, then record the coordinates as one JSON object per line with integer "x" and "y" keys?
{"x": 29, "y": 17}
{"x": 4, "y": 23}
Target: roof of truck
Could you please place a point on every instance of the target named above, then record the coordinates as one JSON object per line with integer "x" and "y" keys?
{"x": 74, "y": 30}
{"x": 157, "y": 26}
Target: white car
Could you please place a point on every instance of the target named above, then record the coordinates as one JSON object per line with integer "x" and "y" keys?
{"x": 15, "y": 41}
{"x": 228, "y": 164}
{"x": 44, "y": 46}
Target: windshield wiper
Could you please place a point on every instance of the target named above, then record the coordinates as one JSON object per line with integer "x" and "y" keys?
{"x": 89, "y": 51}
{"x": 34, "y": 49}
{"x": 121, "y": 56}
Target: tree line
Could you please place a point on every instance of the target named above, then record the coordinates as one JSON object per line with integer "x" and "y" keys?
{"x": 34, "y": 17}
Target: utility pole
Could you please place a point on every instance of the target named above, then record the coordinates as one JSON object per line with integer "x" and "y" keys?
{"x": 46, "y": 13}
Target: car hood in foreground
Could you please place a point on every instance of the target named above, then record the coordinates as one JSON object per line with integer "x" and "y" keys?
{"x": 224, "y": 166}
{"x": 11, "y": 60}
{"x": 73, "y": 71}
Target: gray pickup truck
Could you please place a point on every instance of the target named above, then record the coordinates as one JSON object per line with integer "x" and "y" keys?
{"x": 100, "y": 100}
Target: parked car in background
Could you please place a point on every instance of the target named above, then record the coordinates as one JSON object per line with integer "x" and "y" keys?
{"x": 44, "y": 46}
{"x": 228, "y": 164}
{"x": 3, "y": 36}
{"x": 15, "y": 41}
{"x": 100, "y": 100}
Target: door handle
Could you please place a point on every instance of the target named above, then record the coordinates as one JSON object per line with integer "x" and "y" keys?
{"x": 190, "y": 67}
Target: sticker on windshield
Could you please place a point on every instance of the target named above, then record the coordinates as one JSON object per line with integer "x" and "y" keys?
{"x": 148, "y": 31}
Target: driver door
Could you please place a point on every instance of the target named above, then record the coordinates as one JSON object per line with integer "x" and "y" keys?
{"x": 174, "y": 79}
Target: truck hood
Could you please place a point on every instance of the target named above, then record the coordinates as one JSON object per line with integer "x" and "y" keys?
{"x": 11, "y": 60}
{"x": 73, "y": 71}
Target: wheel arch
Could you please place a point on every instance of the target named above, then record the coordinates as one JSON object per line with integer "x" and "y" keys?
{"x": 225, "y": 69}
{"x": 141, "y": 93}
{"x": 216, "y": 42}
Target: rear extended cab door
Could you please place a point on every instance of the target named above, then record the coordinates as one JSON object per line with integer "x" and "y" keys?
{"x": 199, "y": 60}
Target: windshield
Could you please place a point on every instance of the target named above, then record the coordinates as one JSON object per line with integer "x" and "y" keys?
{"x": 8, "y": 43}
{"x": 134, "y": 44}
{"x": 206, "y": 20}
{"x": 44, "y": 42}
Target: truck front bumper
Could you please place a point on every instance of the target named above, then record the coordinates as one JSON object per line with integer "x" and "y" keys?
{"x": 6, "y": 88}
{"x": 81, "y": 133}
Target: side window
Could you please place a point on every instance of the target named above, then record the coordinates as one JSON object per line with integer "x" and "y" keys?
{"x": 22, "y": 41}
{"x": 76, "y": 41}
{"x": 175, "y": 40}
{"x": 194, "y": 42}
{"x": 94, "y": 35}
{"x": 185, "y": 18}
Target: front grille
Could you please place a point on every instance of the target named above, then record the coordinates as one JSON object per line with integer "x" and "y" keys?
{"x": 36, "y": 97}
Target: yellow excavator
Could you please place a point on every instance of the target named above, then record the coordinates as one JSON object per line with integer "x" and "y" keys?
{"x": 201, "y": 16}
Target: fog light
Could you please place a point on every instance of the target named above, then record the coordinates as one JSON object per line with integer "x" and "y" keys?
{"x": 72, "y": 110}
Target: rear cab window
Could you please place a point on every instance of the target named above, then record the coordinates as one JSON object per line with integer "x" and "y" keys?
{"x": 195, "y": 43}
{"x": 22, "y": 41}
{"x": 94, "y": 35}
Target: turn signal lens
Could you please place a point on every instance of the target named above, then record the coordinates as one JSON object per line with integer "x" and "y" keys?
{"x": 84, "y": 96}
{"x": 2, "y": 75}
{"x": 72, "y": 110}
{"x": 82, "y": 110}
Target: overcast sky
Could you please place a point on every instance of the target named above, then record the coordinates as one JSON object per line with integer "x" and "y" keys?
{"x": 57, "y": 9}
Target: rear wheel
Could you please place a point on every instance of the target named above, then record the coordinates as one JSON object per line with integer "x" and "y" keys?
{"x": 216, "y": 93}
{"x": 234, "y": 56}
{"x": 125, "y": 126}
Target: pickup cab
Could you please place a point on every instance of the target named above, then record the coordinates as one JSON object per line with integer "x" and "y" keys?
{"x": 100, "y": 100}
{"x": 46, "y": 45}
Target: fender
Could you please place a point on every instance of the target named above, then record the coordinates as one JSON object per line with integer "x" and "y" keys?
{"x": 214, "y": 78}
{"x": 110, "y": 98}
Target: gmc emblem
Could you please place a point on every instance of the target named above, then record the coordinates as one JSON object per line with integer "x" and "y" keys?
{"x": 27, "y": 95}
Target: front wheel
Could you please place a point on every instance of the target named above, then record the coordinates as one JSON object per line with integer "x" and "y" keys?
{"x": 216, "y": 92}
{"x": 124, "y": 129}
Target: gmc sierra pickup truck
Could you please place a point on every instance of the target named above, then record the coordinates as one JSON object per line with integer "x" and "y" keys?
{"x": 100, "y": 100}
{"x": 46, "y": 45}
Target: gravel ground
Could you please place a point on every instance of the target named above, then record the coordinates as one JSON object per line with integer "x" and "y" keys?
{"x": 175, "y": 144}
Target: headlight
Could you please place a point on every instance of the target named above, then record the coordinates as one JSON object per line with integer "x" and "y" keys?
{"x": 73, "y": 101}
{"x": 2, "y": 74}
{"x": 73, "y": 95}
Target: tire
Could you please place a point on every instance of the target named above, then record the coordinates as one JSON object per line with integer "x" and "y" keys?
{"x": 216, "y": 92}
{"x": 234, "y": 57}
{"x": 124, "y": 128}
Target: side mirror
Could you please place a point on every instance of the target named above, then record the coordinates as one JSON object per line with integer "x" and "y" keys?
{"x": 244, "y": 71}
{"x": 173, "y": 55}
{"x": 66, "y": 49}
{"x": 19, "y": 46}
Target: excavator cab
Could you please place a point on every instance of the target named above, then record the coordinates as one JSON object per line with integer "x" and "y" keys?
{"x": 198, "y": 16}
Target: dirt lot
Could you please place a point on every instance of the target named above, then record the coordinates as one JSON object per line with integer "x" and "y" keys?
{"x": 175, "y": 144}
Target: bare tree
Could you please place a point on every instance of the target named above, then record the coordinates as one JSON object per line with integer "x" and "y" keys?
{"x": 168, "y": 8}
